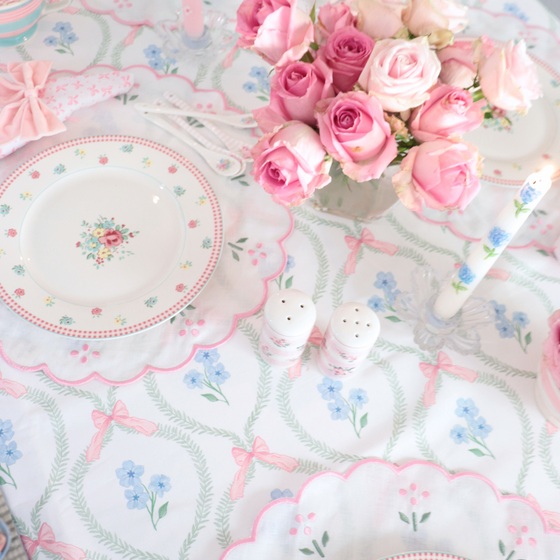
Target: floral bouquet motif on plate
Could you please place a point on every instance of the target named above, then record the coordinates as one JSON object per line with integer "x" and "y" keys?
{"x": 105, "y": 240}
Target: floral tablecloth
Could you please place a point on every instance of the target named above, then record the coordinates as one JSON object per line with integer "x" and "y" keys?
{"x": 144, "y": 470}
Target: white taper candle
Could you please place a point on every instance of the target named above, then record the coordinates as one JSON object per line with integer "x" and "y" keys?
{"x": 486, "y": 253}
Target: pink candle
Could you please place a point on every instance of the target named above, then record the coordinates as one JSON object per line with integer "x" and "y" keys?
{"x": 193, "y": 18}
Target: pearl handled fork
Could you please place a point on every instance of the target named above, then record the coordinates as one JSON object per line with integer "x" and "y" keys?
{"x": 219, "y": 163}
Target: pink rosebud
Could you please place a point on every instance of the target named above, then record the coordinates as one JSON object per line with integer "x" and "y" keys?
{"x": 96, "y": 311}
{"x": 12, "y": 232}
{"x": 103, "y": 160}
{"x": 423, "y": 17}
{"x": 19, "y": 292}
{"x": 448, "y": 112}
{"x": 400, "y": 73}
{"x": 551, "y": 348}
{"x": 193, "y": 224}
{"x": 331, "y": 18}
{"x": 443, "y": 174}
{"x": 354, "y": 132}
{"x": 275, "y": 29}
{"x": 380, "y": 19}
{"x": 180, "y": 287}
{"x": 508, "y": 78}
{"x": 346, "y": 53}
{"x": 35, "y": 175}
{"x": 290, "y": 163}
{"x": 294, "y": 92}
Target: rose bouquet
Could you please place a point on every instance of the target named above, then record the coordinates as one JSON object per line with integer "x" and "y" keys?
{"x": 361, "y": 85}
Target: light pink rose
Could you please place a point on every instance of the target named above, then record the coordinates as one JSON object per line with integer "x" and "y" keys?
{"x": 284, "y": 36}
{"x": 294, "y": 92}
{"x": 346, "y": 53}
{"x": 380, "y": 19}
{"x": 290, "y": 163}
{"x": 450, "y": 111}
{"x": 551, "y": 348}
{"x": 251, "y": 15}
{"x": 443, "y": 174}
{"x": 508, "y": 78}
{"x": 459, "y": 62}
{"x": 331, "y": 18}
{"x": 354, "y": 132}
{"x": 400, "y": 73}
{"x": 423, "y": 17}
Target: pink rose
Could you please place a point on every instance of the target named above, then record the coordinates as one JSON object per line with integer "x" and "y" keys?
{"x": 19, "y": 292}
{"x": 96, "y": 311}
{"x": 290, "y": 163}
{"x": 346, "y": 53}
{"x": 508, "y": 78}
{"x": 251, "y": 15}
{"x": 441, "y": 173}
{"x": 551, "y": 348}
{"x": 400, "y": 73}
{"x": 458, "y": 67}
{"x": 294, "y": 92}
{"x": 423, "y": 17}
{"x": 331, "y": 18}
{"x": 379, "y": 19}
{"x": 354, "y": 132}
{"x": 283, "y": 36}
{"x": 180, "y": 287}
{"x": 111, "y": 238}
{"x": 12, "y": 233}
{"x": 449, "y": 112}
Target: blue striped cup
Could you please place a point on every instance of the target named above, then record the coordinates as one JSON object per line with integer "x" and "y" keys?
{"x": 18, "y": 19}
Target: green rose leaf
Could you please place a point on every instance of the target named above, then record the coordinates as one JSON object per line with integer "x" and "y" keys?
{"x": 235, "y": 255}
{"x": 477, "y": 452}
{"x": 210, "y": 397}
{"x": 404, "y": 517}
{"x": 306, "y": 551}
{"x": 393, "y": 319}
{"x": 289, "y": 282}
{"x": 363, "y": 420}
{"x": 425, "y": 517}
{"x": 502, "y": 548}
{"x": 528, "y": 339}
{"x": 325, "y": 538}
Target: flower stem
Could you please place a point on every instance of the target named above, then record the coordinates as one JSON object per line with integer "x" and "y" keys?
{"x": 9, "y": 474}
{"x": 216, "y": 389}
{"x": 414, "y": 524}
{"x": 318, "y": 548}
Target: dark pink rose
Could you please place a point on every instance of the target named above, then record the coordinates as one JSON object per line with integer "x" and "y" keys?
{"x": 294, "y": 92}
{"x": 346, "y": 53}
{"x": 450, "y": 111}
{"x": 103, "y": 160}
{"x": 193, "y": 224}
{"x": 290, "y": 163}
{"x": 96, "y": 311}
{"x": 111, "y": 238}
{"x": 19, "y": 292}
{"x": 551, "y": 348}
{"x": 331, "y": 18}
{"x": 35, "y": 175}
{"x": 355, "y": 133}
{"x": 180, "y": 287}
{"x": 443, "y": 174}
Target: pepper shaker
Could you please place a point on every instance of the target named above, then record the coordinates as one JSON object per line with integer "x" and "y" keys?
{"x": 289, "y": 318}
{"x": 352, "y": 331}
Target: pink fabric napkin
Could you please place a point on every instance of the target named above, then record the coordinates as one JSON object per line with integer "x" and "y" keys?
{"x": 33, "y": 106}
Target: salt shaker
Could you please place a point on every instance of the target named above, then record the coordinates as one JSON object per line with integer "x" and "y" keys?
{"x": 352, "y": 331}
{"x": 289, "y": 317}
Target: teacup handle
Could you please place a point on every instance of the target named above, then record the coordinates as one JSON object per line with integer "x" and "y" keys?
{"x": 55, "y": 7}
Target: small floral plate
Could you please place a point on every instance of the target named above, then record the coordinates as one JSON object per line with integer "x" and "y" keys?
{"x": 106, "y": 236}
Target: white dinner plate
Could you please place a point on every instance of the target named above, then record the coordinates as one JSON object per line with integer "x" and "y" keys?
{"x": 424, "y": 556}
{"x": 106, "y": 236}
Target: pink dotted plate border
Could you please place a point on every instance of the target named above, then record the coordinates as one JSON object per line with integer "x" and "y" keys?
{"x": 397, "y": 470}
{"x": 167, "y": 313}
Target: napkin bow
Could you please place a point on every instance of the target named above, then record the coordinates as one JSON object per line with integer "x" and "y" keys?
{"x": 24, "y": 114}
{"x": 46, "y": 540}
{"x": 367, "y": 239}
{"x": 243, "y": 459}
{"x": 13, "y": 388}
{"x": 120, "y": 416}
{"x": 431, "y": 372}
{"x": 34, "y": 105}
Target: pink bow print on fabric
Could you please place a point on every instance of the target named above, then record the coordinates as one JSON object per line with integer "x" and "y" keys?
{"x": 315, "y": 338}
{"x": 243, "y": 459}
{"x": 13, "y": 388}
{"x": 24, "y": 115}
{"x": 120, "y": 416}
{"x": 431, "y": 372}
{"x": 367, "y": 239}
{"x": 552, "y": 517}
{"x": 47, "y": 541}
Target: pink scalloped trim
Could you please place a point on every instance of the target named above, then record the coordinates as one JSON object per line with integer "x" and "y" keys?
{"x": 236, "y": 318}
{"x": 397, "y": 470}
{"x": 116, "y": 17}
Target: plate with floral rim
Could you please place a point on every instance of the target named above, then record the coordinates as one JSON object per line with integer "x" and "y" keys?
{"x": 424, "y": 556}
{"x": 106, "y": 236}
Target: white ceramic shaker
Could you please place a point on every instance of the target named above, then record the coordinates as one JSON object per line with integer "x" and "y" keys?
{"x": 352, "y": 331}
{"x": 289, "y": 317}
